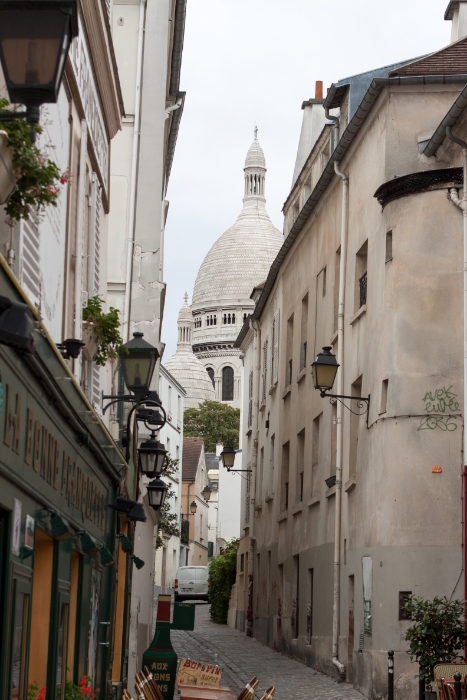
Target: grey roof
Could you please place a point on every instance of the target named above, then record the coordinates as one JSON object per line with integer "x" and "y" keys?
{"x": 212, "y": 460}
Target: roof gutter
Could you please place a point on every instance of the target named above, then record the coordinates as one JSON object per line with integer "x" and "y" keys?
{"x": 449, "y": 121}
{"x": 338, "y": 154}
{"x": 177, "y": 50}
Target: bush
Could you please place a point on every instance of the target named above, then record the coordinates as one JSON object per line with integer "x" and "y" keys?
{"x": 437, "y": 635}
{"x": 222, "y": 571}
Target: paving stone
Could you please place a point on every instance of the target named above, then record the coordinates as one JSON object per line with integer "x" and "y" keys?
{"x": 242, "y": 657}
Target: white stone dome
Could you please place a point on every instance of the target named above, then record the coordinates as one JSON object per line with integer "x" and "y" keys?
{"x": 240, "y": 259}
{"x": 185, "y": 367}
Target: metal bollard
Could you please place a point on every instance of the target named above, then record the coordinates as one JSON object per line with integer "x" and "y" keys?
{"x": 457, "y": 685}
{"x": 390, "y": 675}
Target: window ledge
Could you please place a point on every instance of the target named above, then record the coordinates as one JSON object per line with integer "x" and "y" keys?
{"x": 272, "y": 389}
{"x": 301, "y": 375}
{"x": 356, "y": 316}
{"x": 259, "y": 506}
{"x": 330, "y": 492}
{"x": 313, "y": 501}
{"x": 351, "y": 483}
{"x": 283, "y": 516}
{"x": 297, "y": 508}
{"x": 262, "y": 407}
{"x": 287, "y": 391}
{"x": 269, "y": 498}
{"x": 248, "y": 432}
{"x": 334, "y": 337}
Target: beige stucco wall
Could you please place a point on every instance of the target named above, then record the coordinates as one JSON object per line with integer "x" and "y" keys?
{"x": 394, "y": 509}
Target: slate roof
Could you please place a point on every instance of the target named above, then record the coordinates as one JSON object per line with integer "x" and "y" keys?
{"x": 192, "y": 447}
{"x": 212, "y": 461}
{"x": 452, "y": 60}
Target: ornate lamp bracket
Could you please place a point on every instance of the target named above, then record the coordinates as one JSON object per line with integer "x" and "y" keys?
{"x": 361, "y": 401}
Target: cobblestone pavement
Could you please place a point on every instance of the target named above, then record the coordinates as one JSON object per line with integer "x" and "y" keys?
{"x": 242, "y": 658}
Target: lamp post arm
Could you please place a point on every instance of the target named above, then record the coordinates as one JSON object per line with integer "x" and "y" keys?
{"x": 365, "y": 399}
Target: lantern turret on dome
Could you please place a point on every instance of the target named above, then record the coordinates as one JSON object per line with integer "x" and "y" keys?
{"x": 255, "y": 175}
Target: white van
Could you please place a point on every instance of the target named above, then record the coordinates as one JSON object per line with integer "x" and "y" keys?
{"x": 192, "y": 583}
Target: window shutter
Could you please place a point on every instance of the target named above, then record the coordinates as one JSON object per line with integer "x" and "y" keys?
{"x": 250, "y": 399}
{"x": 276, "y": 332}
{"x": 265, "y": 365}
{"x": 30, "y": 271}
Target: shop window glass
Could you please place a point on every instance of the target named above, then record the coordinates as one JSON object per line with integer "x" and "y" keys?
{"x": 20, "y": 627}
{"x": 62, "y": 651}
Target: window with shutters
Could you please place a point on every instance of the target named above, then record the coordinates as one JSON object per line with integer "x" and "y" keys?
{"x": 304, "y": 332}
{"x": 227, "y": 384}
{"x": 250, "y": 399}
{"x": 289, "y": 352}
{"x": 247, "y": 495}
{"x": 91, "y": 280}
{"x": 275, "y": 350}
{"x": 264, "y": 373}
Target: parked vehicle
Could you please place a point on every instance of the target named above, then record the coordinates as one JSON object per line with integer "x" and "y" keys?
{"x": 192, "y": 583}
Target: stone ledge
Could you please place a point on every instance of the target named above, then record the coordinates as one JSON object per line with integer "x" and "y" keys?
{"x": 297, "y": 508}
{"x": 283, "y": 516}
{"x": 287, "y": 391}
{"x": 334, "y": 337}
{"x": 330, "y": 492}
{"x": 269, "y": 498}
{"x": 313, "y": 501}
{"x": 356, "y": 316}
{"x": 351, "y": 483}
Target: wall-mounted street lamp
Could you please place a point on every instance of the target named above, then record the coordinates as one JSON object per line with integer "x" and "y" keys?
{"x": 193, "y": 509}
{"x": 228, "y": 459}
{"x": 16, "y": 325}
{"x": 125, "y": 542}
{"x": 133, "y": 510}
{"x": 88, "y": 543}
{"x": 70, "y": 348}
{"x": 206, "y": 493}
{"x": 138, "y": 359}
{"x": 139, "y": 563}
{"x": 324, "y": 373}
{"x": 35, "y": 37}
{"x": 152, "y": 457}
{"x": 157, "y": 492}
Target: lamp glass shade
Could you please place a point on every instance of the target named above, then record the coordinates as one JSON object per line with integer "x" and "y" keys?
{"x": 325, "y": 369}
{"x": 193, "y": 507}
{"x": 206, "y": 492}
{"x": 137, "y": 513}
{"x": 228, "y": 457}
{"x": 152, "y": 454}
{"x": 138, "y": 363}
{"x": 157, "y": 492}
{"x": 35, "y": 37}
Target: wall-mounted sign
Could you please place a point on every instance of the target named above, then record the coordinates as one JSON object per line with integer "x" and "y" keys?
{"x": 198, "y": 673}
{"x": 436, "y": 470}
{"x": 29, "y": 534}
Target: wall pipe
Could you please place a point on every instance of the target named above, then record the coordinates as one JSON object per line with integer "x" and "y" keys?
{"x": 335, "y": 127}
{"x": 256, "y": 326}
{"x": 134, "y": 172}
{"x": 462, "y": 204}
{"x": 339, "y": 438}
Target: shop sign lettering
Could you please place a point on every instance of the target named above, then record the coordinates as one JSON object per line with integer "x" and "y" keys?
{"x": 42, "y": 452}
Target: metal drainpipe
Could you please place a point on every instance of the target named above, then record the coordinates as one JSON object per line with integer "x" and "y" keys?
{"x": 254, "y": 458}
{"x": 339, "y": 440}
{"x": 462, "y": 204}
{"x": 134, "y": 173}
{"x": 335, "y": 128}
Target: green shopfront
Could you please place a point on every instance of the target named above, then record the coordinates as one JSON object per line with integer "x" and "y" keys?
{"x": 59, "y": 558}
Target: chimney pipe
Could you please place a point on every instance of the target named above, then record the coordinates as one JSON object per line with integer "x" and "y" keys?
{"x": 319, "y": 90}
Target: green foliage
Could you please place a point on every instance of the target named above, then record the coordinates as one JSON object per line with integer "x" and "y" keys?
{"x": 214, "y": 422}
{"x": 36, "y": 693}
{"x": 105, "y": 330}
{"x": 222, "y": 571}
{"x": 168, "y": 524}
{"x": 39, "y": 178}
{"x": 437, "y": 635}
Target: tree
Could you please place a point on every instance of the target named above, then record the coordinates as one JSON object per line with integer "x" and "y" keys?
{"x": 214, "y": 422}
{"x": 222, "y": 572}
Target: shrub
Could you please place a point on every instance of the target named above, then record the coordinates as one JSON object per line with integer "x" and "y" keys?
{"x": 222, "y": 572}
{"x": 437, "y": 635}
{"x": 105, "y": 329}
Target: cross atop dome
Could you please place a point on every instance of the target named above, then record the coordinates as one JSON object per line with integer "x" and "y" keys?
{"x": 186, "y": 298}
{"x": 256, "y": 133}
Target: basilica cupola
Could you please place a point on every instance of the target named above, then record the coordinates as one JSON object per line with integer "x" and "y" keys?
{"x": 255, "y": 175}
{"x": 185, "y": 327}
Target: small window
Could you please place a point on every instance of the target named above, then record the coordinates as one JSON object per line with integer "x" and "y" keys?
{"x": 403, "y": 598}
{"x": 362, "y": 285}
{"x": 384, "y": 395}
{"x": 361, "y": 276}
{"x": 227, "y": 384}
{"x": 388, "y": 246}
{"x": 242, "y": 562}
{"x": 324, "y": 281}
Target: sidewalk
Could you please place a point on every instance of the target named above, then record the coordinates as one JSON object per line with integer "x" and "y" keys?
{"x": 242, "y": 658}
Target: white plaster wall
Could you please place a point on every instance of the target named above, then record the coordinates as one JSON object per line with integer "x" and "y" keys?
{"x": 230, "y": 487}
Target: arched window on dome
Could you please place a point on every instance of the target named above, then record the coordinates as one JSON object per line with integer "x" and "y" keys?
{"x": 229, "y": 318}
{"x": 210, "y": 371}
{"x": 227, "y": 384}
{"x": 233, "y": 318}
{"x": 215, "y": 320}
{"x": 225, "y": 318}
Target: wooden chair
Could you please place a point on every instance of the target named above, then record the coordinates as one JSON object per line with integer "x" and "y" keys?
{"x": 443, "y": 671}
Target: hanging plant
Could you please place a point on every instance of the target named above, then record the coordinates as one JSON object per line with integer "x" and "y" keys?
{"x": 38, "y": 178}
{"x": 104, "y": 329}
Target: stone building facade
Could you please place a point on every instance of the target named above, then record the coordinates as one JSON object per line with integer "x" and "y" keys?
{"x": 343, "y": 515}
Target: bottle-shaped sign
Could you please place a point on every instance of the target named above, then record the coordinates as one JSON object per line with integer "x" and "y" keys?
{"x": 160, "y": 659}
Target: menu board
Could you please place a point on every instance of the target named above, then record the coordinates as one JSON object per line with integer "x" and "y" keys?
{"x": 198, "y": 673}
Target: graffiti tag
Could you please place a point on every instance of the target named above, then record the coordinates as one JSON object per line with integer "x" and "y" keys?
{"x": 437, "y": 402}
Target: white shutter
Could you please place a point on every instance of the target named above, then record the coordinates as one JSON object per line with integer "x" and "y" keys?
{"x": 264, "y": 376}
{"x": 94, "y": 280}
{"x": 250, "y": 399}
{"x": 275, "y": 349}
{"x": 30, "y": 270}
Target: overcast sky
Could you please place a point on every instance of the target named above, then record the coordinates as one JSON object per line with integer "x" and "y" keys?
{"x": 255, "y": 61}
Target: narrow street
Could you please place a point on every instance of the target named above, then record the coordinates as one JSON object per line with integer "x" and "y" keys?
{"x": 242, "y": 658}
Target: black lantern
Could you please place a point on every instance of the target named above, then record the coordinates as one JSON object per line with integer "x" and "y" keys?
{"x": 35, "y": 37}
{"x": 139, "y": 563}
{"x": 193, "y": 507}
{"x": 228, "y": 457}
{"x": 16, "y": 325}
{"x": 324, "y": 370}
{"x": 137, "y": 513}
{"x": 151, "y": 457}
{"x": 157, "y": 492}
{"x": 138, "y": 363}
{"x": 206, "y": 492}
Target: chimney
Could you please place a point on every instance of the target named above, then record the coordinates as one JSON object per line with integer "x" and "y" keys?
{"x": 312, "y": 125}
{"x": 456, "y": 12}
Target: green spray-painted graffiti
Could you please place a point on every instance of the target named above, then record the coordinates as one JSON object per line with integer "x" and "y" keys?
{"x": 439, "y": 402}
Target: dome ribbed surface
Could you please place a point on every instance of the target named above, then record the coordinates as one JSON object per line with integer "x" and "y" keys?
{"x": 191, "y": 374}
{"x": 255, "y": 156}
{"x": 237, "y": 261}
